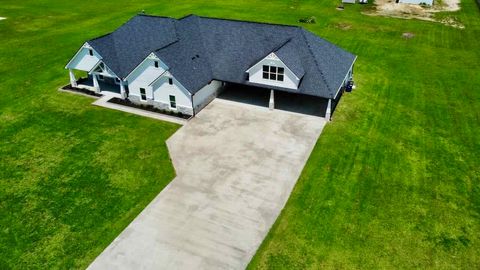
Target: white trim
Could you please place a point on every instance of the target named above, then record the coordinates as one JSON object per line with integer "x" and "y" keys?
{"x": 150, "y": 56}
{"x": 351, "y": 67}
{"x": 328, "y": 112}
{"x": 170, "y": 102}
{"x": 85, "y": 45}
{"x": 159, "y": 76}
{"x": 248, "y": 70}
{"x": 105, "y": 65}
{"x": 140, "y": 91}
{"x": 167, "y": 74}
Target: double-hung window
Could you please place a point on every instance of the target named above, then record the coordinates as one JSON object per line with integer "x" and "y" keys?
{"x": 173, "y": 102}
{"x": 143, "y": 94}
{"x": 273, "y": 73}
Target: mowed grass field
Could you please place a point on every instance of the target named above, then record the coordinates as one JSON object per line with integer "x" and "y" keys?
{"x": 393, "y": 182}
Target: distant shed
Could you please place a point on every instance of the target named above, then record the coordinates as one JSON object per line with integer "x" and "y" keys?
{"x": 416, "y": 2}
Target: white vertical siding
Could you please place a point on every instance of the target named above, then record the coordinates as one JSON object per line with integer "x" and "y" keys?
{"x": 83, "y": 60}
{"x": 143, "y": 76}
{"x": 206, "y": 94}
{"x": 162, "y": 91}
{"x": 256, "y": 74}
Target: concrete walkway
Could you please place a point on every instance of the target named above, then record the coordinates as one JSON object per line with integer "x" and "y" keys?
{"x": 236, "y": 166}
{"x": 103, "y": 102}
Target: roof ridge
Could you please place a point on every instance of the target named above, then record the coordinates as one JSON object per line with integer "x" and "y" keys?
{"x": 283, "y": 44}
{"x": 167, "y": 45}
{"x": 315, "y": 60}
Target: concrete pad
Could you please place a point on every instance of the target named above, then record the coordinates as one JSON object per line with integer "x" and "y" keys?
{"x": 236, "y": 166}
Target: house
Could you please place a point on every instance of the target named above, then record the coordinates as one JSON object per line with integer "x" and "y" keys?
{"x": 416, "y": 2}
{"x": 182, "y": 64}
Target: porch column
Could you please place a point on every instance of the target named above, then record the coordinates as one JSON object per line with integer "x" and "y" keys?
{"x": 122, "y": 89}
{"x": 73, "y": 80}
{"x": 96, "y": 86}
{"x": 271, "y": 103}
{"x": 328, "y": 113}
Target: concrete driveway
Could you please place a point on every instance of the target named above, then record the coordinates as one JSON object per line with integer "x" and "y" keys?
{"x": 236, "y": 166}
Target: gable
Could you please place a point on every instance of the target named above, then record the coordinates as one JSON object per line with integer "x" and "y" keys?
{"x": 146, "y": 71}
{"x": 83, "y": 60}
{"x": 256, "y": 73}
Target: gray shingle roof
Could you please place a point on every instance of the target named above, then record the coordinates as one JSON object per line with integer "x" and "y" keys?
{"x": 199, "y": 49}
{"x": 123, "y": 49}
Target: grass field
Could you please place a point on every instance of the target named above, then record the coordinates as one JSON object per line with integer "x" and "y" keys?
{"x": 394, "y": 181}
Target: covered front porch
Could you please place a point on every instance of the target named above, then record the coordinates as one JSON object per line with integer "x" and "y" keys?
{"x": 99, "y": 83}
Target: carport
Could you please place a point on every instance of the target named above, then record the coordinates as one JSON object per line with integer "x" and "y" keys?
{"x": 286, "y": 101}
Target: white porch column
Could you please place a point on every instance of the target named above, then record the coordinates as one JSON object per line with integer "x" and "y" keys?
{"x": 271, "y": 103}
{"x": 328, "y": 113}
{"x": 122, "y": 89}
{"x": 96, "y": 86}
{"x": 73, "y": 80}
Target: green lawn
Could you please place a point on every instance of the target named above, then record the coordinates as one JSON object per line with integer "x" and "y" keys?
{"x": 392, "y": 183}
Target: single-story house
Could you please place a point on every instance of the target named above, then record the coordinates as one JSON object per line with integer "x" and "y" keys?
{"x": 181, "y": 64}
{"x": 416, "y": 2}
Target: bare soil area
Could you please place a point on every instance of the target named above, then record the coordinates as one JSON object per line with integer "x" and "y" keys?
{"x": 422, "y": 12}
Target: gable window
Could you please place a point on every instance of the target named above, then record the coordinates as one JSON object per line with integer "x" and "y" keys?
{"x": 173, "y": 102}
{"x": 143, "y": 94}
{"x": 90, "y": 51}
{"x": 156, "y": 64}
{"x": 273, "y": 73}
{"x": 170, "y": 81}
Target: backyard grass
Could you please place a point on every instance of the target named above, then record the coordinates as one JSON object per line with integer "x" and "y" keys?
{"x": 393, "y": 182}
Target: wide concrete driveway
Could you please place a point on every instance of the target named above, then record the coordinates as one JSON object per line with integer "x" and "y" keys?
{"x": 236, "y": 166}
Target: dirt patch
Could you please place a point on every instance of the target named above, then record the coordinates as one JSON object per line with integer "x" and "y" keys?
{"x": 422, "y": 12}
{"x": 343, "y": 26}
{"x": 408, "y": 35}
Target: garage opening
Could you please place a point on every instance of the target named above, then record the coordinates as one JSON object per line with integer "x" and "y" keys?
{"x": 286, "y": 101}
{"x": 245, "y": 94}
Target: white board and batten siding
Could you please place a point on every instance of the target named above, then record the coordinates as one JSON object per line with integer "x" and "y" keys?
{"x": 83, "y": 60}
{"x": 255, "y": 73}
{"x": 206, "y": 94}
{"x": 162, "y": 90}
{"x": 143, "y": 75}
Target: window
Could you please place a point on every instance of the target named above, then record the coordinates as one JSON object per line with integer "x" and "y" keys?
{"x": 173, "y": 103}
{"x": 156, "y": 64}
{"x": 101, "y": 78}
{"x": 273, "y": 73}
{"x": 90, "y": 51}
{"x": 117, "y": 80}
{"x": 143, "y": 94}
{"x": 170, "y": 81}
